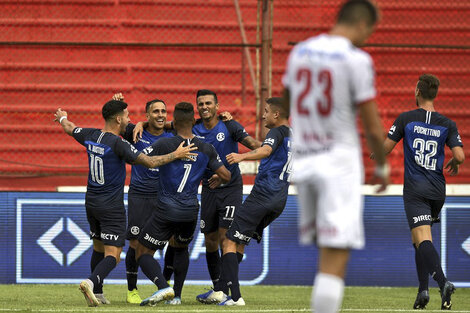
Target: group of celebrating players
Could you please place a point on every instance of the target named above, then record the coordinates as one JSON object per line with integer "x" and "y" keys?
{"x": 327, "y": 82}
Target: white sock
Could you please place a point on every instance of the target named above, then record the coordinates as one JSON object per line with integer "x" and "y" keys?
{"x": 327, "y": 293}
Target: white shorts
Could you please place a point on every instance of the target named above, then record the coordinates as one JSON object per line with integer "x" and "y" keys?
{"x": 330, "y": 198}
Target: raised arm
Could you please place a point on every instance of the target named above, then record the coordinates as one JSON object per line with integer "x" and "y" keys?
{"x": 159, "y": 160}
{"x": 374, "y": 135}
{"x": 257, "y": 154}
{"x": 61, "y": 118}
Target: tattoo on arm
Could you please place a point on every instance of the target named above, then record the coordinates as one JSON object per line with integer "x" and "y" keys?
{"x": 250, "y": 143}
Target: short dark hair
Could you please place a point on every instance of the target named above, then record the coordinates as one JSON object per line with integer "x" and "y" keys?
{"x": 148, "y": 104}
{"x": 354, "y": 11}
{"x": 279, "y": 104}
{"x": 112, "y": 108}
{"x": 183, "y": 113}
{"x": 428, "y": 86}
{"x": 206, "y": 92}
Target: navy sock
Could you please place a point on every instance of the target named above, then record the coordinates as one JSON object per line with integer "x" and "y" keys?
{"x": 102, "y": 270}
{"x": 131, "y": 269}
{"x": 152, "y": 270}
{"x": 230, "y": 270}
{"x": 433, "y": 264}
{"x": 181, "y": 269}
{"x": 96, "y": 258}
{"x": 169, "y": 260}
{"x": 239, "y": 257}
{"x": 213, "y": 265}
{"x": 422, "y": 271}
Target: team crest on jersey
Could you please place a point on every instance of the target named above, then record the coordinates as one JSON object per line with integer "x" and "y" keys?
{"x": 135, "y": 230}
{"x": 220, "y": 136}
{"x": 392, "y": 130}
{"x": 77, "y": 130}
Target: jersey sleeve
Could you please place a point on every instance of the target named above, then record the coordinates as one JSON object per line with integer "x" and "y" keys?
{"x": 273, "y": 139}
{"x": 362, "y": 78}
{"x": 126, "y": 151}
{"x": 454, "y": 139}
{"x": 236, "y": 130}
{"x": 129, "y": 134}
{"x": 80, "y": 134}
{"x": 397, "y": 130}
{"x": 214, "y": 160}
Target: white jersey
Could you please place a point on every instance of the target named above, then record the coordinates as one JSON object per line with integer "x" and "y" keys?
{"x": 327, "y": 77}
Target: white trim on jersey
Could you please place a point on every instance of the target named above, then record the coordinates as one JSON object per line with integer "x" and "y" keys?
{"x": 100, "y": 137}
{"x": 428, "y": 117}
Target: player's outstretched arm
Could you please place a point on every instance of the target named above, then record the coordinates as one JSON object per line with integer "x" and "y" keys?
{"x": 257, "y": 154}
{"x": 61, "y": 118}
{"x": 458, "y": 157}
{"x": 159, "y": 160}
{"x": 374, "y": 135}
{"x": 389, "y": 145}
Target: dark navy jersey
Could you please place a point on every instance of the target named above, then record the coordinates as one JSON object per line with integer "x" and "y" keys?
{"x": 225, "y": 137}
{"x": 180, "y": 179}
{"x": 144, "y": 181}
{"x": 274, "y": 171}
{"x": 107, "y": 157}
{"x": 425, "y": 135}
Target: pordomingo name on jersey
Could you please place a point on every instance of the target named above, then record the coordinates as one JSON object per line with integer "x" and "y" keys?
{"x": 324, "y": 96}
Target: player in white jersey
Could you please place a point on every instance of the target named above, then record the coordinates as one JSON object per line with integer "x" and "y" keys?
{"x": 327, "y": 80}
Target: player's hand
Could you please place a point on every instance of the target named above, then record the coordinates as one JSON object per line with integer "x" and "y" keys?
{"x": 452, "y": 167}
{"x": 233, "y": 158}
{"x": 58, "y": 114}
{"x": 137, "y": 133}
{"x": 214, "y": 181}
{"x": 381, "y": 177}
{"x": 185, "y": 152}
{"x": 118, "y": 97}
{"x": 226, "y": 116}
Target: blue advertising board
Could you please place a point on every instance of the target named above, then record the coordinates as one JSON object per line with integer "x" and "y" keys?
{"x": 44, "y": 239}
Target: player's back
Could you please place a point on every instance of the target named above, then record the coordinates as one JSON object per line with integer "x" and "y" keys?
{"x": 327, "y": 78}
{"x": 107, "y": 155}
{"x": 425, "y": 135}
{"x": 180, "y": 179}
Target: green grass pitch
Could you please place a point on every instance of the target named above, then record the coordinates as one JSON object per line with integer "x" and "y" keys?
{"x": 67, "y": 298}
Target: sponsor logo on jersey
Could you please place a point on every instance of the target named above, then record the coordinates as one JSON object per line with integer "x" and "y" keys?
{"x": 392, "y": 130}
{"x": 155, "y": 241}
{"x": 459, "y": 138}
{"x": 269, "y": 141}
{"x": 190, "y": 158}
{"x": 420, "y": 218}
{"x": 135, "y": 230}
{"x": 242, "y": 237}
{"x": 92, "y": 234}
{"x": 77, "y": 130}
{"x": 427, "y": 131}
{"x": 220, "y": 136}
{"x": 109, "y": 236}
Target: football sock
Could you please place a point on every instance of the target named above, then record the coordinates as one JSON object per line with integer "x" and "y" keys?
{"x": 421, "y": 270}
{"x": 327, "y": 293}
{"x": 102, "y": 270}
{"x": 239, "y": 257}
{"x": 181, "y": 269}
{"x": 431, "y": 258}
{"x": 213, "y": 265}
{"x": 152, "y": 270}
{"x": 168, "y": 267}
{"x": 96, "y": 258}
{"x": 230, "y": 271}
{"x": 131, "y": 269}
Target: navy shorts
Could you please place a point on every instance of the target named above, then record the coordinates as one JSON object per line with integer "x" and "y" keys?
{"x": 107, "y": 225}
{"x": 218, "y": 207}
{"x": 253, "y": 216}
{"x": 158, "y": 231}
{"x": 419, "y": 210}
{"x": 139, "y": 211}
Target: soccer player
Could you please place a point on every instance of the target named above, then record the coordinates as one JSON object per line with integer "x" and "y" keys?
{"x": 262, "y": 206}
{"x": 143, "y": 189}
{"x": 327, "y": 81}
{"x": 425, "y": 134}
{"x": 177, "y": 205}
{"x": 104, "y": 199}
